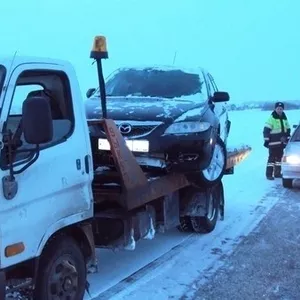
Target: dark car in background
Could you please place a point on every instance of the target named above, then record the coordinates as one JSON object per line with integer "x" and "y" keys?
{"x": 171, "y": 118}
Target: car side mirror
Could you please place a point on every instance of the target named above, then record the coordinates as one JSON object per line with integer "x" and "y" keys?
{"x": 37, "y": 120}
{"x": 90, "y": 92}
{"x": 221, "y": 97}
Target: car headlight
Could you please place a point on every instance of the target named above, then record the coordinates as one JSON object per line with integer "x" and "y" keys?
{"x": 187, "y": 127}
{"x": 292, "y": 159}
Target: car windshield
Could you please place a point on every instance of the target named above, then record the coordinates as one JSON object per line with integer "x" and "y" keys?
{"x": 296, "y": 135}
{"x": 152, "y": 82}
{"x": 2, "y": 77}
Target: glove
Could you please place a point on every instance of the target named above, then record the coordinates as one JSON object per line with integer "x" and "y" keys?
{"x": 266, "y": 144}
{"x": 283, "y": 139}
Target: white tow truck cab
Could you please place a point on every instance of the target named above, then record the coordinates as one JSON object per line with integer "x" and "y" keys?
{"x": 54, "y": 209}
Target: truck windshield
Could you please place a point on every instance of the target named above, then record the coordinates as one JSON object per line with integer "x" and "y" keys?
{"x": 2, "y": 77}
{"x": 150, "y": 82}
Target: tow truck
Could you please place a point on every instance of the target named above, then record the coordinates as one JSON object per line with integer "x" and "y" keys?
{"x": 55, "y": 209}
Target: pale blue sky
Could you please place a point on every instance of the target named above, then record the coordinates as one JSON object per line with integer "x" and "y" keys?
{"x": 251, "y": 47}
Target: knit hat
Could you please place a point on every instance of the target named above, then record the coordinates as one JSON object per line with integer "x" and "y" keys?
{"x": 279, "y": 104}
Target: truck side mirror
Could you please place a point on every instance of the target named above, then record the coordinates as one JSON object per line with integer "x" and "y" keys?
{"x": 221, "y": 97}
{"x": 90, "y": 92}
{"x": 37, "y": 120}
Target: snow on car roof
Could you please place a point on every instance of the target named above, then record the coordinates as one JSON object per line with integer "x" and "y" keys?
{"x": 194, "y": 70}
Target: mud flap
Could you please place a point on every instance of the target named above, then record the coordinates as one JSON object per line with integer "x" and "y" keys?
{"x": 222, "y": 201}
{"x": 198, "y": 206}
{"x": 88, "y": 232}
{"x": 171, "y": 212}
{"x": 139, "y": 226}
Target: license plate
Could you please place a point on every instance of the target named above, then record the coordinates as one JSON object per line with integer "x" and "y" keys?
{"x": 133, "y": 145}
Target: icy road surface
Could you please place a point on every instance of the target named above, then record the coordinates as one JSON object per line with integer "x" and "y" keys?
{"x": 167, "y": 267}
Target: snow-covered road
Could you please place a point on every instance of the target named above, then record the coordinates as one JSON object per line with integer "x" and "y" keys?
{"x": 166, "y": 267}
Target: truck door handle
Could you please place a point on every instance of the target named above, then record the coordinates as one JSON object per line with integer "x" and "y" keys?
{"x": 86, "y": 164}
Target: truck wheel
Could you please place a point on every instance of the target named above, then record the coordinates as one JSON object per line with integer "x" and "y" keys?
{"x": 62, "y": 271}
{"x": 185, "y": 224}
{"x": 209, "y": 207}
{"x": 207, "y": 224}
{"x": 217, "y": 167}
{"x": 287, "y": 183}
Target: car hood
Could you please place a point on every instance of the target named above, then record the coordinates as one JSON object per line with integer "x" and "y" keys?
{"x": 144, "y": 109}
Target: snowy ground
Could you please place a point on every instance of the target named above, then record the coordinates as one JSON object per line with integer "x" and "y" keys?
{"x": 166, "y": 267}
{"x": 265, "y": 265}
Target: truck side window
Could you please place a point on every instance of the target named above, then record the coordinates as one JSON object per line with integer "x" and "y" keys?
{"x": 53, "y": 84}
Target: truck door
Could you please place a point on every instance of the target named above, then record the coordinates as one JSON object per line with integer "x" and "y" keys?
{"x": 55, "y": 191}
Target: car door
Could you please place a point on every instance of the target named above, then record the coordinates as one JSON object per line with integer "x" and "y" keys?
{"x": 55, "y": 190}
{"x": 219, "y": 107}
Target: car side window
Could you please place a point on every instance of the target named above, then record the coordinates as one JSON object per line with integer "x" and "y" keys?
{"x": 53, "y": 84}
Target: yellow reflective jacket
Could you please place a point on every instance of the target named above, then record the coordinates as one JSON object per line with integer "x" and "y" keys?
{"x": 277, "y": 130}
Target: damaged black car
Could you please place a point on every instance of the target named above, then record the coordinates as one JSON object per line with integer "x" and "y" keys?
{"x": 171, "y": 118}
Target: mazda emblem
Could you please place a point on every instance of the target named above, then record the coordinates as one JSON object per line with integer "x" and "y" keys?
{"x": 125, "y": 128}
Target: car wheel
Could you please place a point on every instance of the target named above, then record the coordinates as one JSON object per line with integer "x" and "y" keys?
{"x": 287, "y": 183}
{"x": 217, "y": 166}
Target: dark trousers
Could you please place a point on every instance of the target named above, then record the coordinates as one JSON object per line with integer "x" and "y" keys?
{"x": 274, "y": 162}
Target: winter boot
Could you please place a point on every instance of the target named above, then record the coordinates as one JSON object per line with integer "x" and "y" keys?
{"x": 269, "y": 171}
{"x": 277, "y": 170}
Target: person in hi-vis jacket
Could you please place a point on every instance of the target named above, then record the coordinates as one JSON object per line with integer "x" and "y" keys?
{"x": 276, "y": 133}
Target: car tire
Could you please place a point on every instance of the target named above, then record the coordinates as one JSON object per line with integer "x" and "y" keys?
{"x": 203, "y": 177}
{"x": 287, "y": 183}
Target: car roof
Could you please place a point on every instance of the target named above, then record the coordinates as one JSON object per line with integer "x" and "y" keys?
{"x": 194, "y": 70}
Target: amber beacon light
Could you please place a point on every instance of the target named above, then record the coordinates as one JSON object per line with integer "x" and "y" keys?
{"x": 99, "y": 50}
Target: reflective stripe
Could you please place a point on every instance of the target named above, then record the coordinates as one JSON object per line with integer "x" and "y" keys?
{"x": 277, "y": 164}
{"x": 267, "y": 139}
{"x": 275, "y": 143}
{"x": 268, "y": 125}
{"x": 270, "y": 164}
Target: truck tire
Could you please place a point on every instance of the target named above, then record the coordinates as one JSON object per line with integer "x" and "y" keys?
{"x": 62, "y": 271}
{"x": 208, "y": 177}
{"x": 185, "y": 224}
{"x": 287, "y": 183}
{"x": 208, "y": 223}
{"x": 213, "y": 205}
